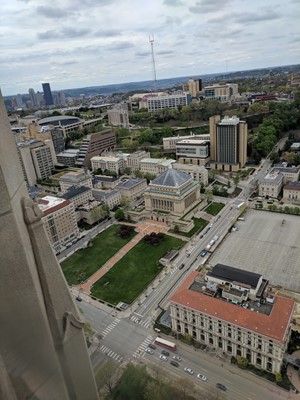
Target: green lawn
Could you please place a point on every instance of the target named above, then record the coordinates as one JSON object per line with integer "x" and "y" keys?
{"x": 214, "y": 208}
{"x": 82, "y": 264}
{"x": 129, "y": 276}
{"x": 199, "y": 224}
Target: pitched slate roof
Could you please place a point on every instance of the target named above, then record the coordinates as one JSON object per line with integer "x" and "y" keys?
{"x": 231, "y": 274}
{"x": 172, "y": 177}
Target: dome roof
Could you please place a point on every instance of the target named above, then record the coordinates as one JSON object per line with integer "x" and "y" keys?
{"x": 172, "y": 178}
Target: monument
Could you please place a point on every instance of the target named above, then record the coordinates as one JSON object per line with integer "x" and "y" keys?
{"x": 43, "y": 353}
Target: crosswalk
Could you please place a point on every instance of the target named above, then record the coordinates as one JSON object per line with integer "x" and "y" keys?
{"x": 110, "y": 327}
{"x": 142, "y": 347}
{"x": 173, "y": 270}
{"x": 111, "y": 354}
{"x": 145, "y": 323}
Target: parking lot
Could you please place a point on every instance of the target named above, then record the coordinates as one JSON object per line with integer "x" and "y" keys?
{"x": 266, "y": 243}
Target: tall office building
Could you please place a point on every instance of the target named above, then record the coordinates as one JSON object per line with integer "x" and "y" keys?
{"x": 47, "y": 94}
{"x": 33, "y": 98}
{"x": 228, "y": 143}
{"x": 194, "y": 87}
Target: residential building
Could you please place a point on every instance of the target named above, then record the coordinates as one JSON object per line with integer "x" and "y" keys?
{"x": 78, "y": 195}
{"x": 37, "y": 160}
{"x": 112, "y": 198}
{"x": 47, "y": 94}
{"x": 111, "y": 163}
{"x": 258, "y": 330}
{"x": 290, "y": 174}
{"x": 132, "y": 188}
{"x": 228, "y": 143}
{"x": 68, "y": 157}
{"x": 291, "y": 192}
{"x": 271, "y": 184}
{"x": 221, "y": 92}
{"x": 59, "y": 221}
{"x": 173, "y": 192}
{"x": 134, "y": 159}
{"x": 194, "y": 87}
{"x": 191, "y": 151}
{"x": 58, "y": 140}
{"x": 75, "y": 178}
{"x": 155, "y": 166}
{"x": 119, "y": 115}
{"x": 105, "y": 182}
{"x": 156, "y": 103}
{"x": 169, "y": 143}
{"x": 198, "y": 172}
{"x": 94, "y": 145}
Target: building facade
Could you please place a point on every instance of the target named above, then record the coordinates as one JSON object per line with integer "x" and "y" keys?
{"x": 194, "y": 87}
{"x": 48, "y": 98}
{"x": 108, "y": 163}
{"x": 290, "y": 174}
{"x": 221, "y": 92}
{"x": 59, "y": 221}
{"x": 271, "y": 184}
{"x": 261, "y": 338}
{"x": 173, "y": 192}
{"x": 155, "y": 166}
{"x": 169, "y": 143}
{"x": 156, "y": 103}
{"x": 112, "y": 198}
{"x": 132, "y": 188}
{"x": 291, "y": 192}
{"x": 75, "y": 178}
{"x": 78, "y": 195}
{"x": 191, "y": 151}
{"x": 118, "y": 117}
{"x": 68, "y": 157}
{"x": 134, "y": 159}
{"x": 199, "y": 173}
{"x": 228, "y": 143}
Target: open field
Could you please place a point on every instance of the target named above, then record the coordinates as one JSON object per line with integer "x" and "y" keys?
{"x": 266, "y": 243}
{"x": 82, "y": 264}
{"x": 135, "y": 271}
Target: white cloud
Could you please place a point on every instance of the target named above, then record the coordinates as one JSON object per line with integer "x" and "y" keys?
{"x": 77, "y": 43}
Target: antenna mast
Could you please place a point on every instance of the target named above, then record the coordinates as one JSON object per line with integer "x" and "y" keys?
{"x": 151, "y": 40}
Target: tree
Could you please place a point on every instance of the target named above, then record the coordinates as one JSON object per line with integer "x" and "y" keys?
{"x": 274, "y": 156}
{"x": 119, "y": 214}
{"x": 278, "y": 377}
{"x": 105, "y": 376}
{"x": 242, "y": 362}
{"x": 176, "y": 229}
{"x": 133, "y": 382}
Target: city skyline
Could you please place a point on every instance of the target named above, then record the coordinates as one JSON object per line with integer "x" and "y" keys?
{"x": 108, "y": 42}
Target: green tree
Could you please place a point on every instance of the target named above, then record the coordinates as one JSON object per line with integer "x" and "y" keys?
{"x": 105, "y": 376}
{"x": 133, "y": 382}
{"x": 119, "y": 214}
{"x": 242, "y": 362}
{"x": 278, "y": 377}
{"x": 176, "y": 229}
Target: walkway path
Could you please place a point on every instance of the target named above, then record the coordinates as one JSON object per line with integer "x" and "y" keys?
{"x": 143, "y": 229}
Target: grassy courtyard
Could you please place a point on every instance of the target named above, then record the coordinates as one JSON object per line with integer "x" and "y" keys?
{"x": 199, "y": 224}
{"x": 82, "y": 264}
{"x": 128, "y": 278}
{"x": 214, "y": 208}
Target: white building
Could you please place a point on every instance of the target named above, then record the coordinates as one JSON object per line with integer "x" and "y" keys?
{"x": 156, "y": 103}
{"x": 169, "y": 143}
{"x": 191, "y": 151}
{"x": 109, "y": 163}
{"x": 271, "y": 184}
{"x": 75, "y": 178}
{"x": 155, "y": 166}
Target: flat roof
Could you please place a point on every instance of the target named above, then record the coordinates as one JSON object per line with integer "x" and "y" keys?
{"x": 231, "y": 274}
{"x": 49, "y": 204}
{"x": 192, "y": 141}
{"x": 274, "y": 326}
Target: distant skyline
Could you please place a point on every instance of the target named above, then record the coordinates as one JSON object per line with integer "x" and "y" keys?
{"x": 81, "y": 43}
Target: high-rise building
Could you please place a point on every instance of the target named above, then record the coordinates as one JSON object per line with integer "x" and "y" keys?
{"x": 228, "y": 143}
{"x": 47, "y": 94}
{"x": 33, "y": 98}
{"x": 194, "y": 87}
{"x": 19, "y": 101}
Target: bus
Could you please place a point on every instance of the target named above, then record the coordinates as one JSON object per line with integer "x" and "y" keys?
{"x": 165, "y": 343}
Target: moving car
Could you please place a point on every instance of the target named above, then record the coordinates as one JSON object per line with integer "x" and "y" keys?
{"x": 203, "y": 253}
{"x": 181, "y": 266}
{"x": 189, "y": 370}
{"x": 165, "y": 353}
{"x": 221, "y": 386}
{"x": 164, "y": 358}
{"x": 177, "y": 358}
{"x": 174, "y": 363}
{"x": 201, "y": 377}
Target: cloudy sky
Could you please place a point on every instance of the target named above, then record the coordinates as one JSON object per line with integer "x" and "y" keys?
{"x": 77, "y": 43}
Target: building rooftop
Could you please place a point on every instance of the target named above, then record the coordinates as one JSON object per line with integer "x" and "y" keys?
{"x": 107, "y": 158}
{"x": 283, "y": 169}
{"x": 74, "y": 191}
{"x": 68, "y": 153}
{"x": 272, "y": 177}
{"x": 229, "y": 120}
{"x": 171, "y": 177}
{"x": 60, "y": 120}
{"x": 231, "y": 274}
{"x": 292, "y": 186}
{"x": 75, "y": 176}
{"x": 49, "y": 204}
{"x": 104, "y": 178}
{"x": 274, "y": 325}
{"x": 151, "y": 160}
{"x": 193, "y": 141}
{"x": 130, "y": 183}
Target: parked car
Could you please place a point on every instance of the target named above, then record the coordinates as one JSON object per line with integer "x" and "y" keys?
{"x": 174, "y": 363}
{"x": 221, "y": 386}
{"x": 201, "y": 377}
{"x": 181, "y": 266}
{"x": 203, "y": 253}
{"x": 177, "y": 358}
{"x": 189, "y": 370}
{"x": 152, "y": 346}
{"x": 150, "y": 351}
{"x": 165, "y": 353}
{"x": 164, "y": 358}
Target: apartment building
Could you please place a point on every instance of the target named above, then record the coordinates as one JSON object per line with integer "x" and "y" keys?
{"x": 78, "y": 195}
{"x": 68, "y": 157}
{"x": 94, "y": 145}
{"x": 75, "y": 178}
{"x": 271, "y": 184}
{"x": 156, "y": 103}
{"x": 108, "y": 163}
{"x": 59, "y": 221}
{"x": 191, "y": 151}
{"x": 221, "y": 92}
{"x": 198, "y": 172}
{"x": 119, "y": 116}
{"x": 174, "y": 192}
{"x": 155, "y": 166}
{"x": 132, "y": 188}
{"x": 194, "y": 87}
{"x": 169, "y": 143}
{"x": 37, "y": 160}
{"x": 258, "y": 330}
{"x": 291, "y": 192}
{"x": 134, "y": 159}
{"x": 228, "y": 143}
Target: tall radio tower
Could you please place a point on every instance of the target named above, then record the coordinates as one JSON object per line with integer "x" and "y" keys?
{"x": 151, "y": 40}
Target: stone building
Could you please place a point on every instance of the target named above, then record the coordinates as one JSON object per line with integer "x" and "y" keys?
{"x": 271, "y": 184}
{"x": 75, "y": 178}
{"x": 291, "y": 192}
{"x": 132, "y": 188}
{"x": 173, "y": 192}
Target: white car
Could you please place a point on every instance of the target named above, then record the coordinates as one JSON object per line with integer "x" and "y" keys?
{"x": 150, "y": 351}
{"x": 177, "y": 358}
{"x": 164, "y": 358}
{"x": 189, "y": 370}
{"x": 201, "y": 377}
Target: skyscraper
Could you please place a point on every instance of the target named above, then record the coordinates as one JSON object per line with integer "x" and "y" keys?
{"x": 228, "y": 143}
{"x": 47, "y": 94}
{"x": 33, "y": 98}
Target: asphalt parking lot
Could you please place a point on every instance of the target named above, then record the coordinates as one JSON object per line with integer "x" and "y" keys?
{"x": 266, "y": 243}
